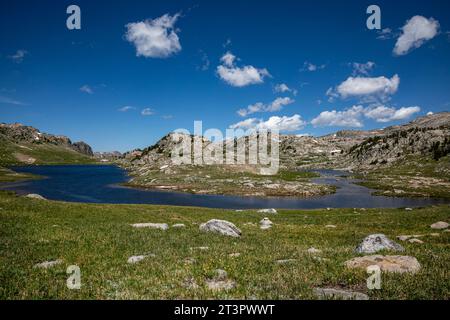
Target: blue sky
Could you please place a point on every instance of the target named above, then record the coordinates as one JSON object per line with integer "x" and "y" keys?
{"x": 306, "y": 67}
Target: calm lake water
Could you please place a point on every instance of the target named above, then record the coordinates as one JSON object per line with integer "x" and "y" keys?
{"x": 100, "y": 184}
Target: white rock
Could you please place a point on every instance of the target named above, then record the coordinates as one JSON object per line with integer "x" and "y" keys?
{"x": 200, "y": 248}
{"x": 415, "y": 241}
{"x": 330, "y": 226}
{"x": 35, "y": 196}
{"x": 136, "y": 259}
{"x": 313, "y": 250}
{"x": 285, "y": 261}
{"x": 179, "y": 225}
{"x": 222, "y": 227}
{"x": 271, "y": 211}
{"x": 265, "y": 224}
{"x": 161, "y": 226}
{"x": 439, "y": 225}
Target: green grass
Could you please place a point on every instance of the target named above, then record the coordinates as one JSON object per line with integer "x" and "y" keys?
{"x": 99, "y": 239}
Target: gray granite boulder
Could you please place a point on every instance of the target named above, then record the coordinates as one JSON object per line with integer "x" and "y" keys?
{"x": 377, "y": 242}
{"x": 222, "y": 227}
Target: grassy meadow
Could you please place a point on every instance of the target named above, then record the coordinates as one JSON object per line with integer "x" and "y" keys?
{"x": 99, "y": 239}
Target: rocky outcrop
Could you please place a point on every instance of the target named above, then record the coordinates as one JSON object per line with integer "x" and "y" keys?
{"x": 222, "y": 227}
{"x": 426, "y": 137}
{"x": 83, "y": 147}
{"x": 18, "y": 133}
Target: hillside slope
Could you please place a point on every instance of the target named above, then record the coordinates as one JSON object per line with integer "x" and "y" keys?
{"x": 24, "y": 145}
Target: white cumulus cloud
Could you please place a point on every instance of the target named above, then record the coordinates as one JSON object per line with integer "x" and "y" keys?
{"x": 415, "y": 33}
{"x": 387, "y": 114}
{"x": 353, "y": 117}
{"x": 239, "y": 76}
{"x": 347, "y": 118}
{"x": 366, "y": 86}
{"x": 283, "y": 123}
{"x": 155, "y": 38}
{"x": 275, "y": 105}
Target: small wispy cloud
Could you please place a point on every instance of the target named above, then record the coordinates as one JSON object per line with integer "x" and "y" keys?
{"x": 18, "y": 56}
{"x": 311, "y": 67}
{"x": 87, "y": 89}
{"x": 283, "y": 88}
{"x": 205, "y": 63}
{"x": 7, "y": 100}
{"x": 385, "y": 34}
{"x": 126, "y": 108}
{"x": 167, "y": 117}
{"x": 147, "y": 112}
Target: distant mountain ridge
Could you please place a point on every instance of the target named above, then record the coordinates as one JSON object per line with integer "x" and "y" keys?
{"x": 25, "y": 144}
{"x": 428, "y": 136}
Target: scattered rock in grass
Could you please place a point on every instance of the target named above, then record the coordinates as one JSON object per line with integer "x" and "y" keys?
{"x": 48, "y": 264}
{"x": 439, "y": 225}
{"x": 330, "y": 226}
{"x": 190, "y": 260}
{"x": 271, "y": 211}
{"x": 136, "y": 259}
{"x": 403, "y": 237}
{"x": 377, "y": 242}
{"x": 190, "y": 283}
{"x": 35, "y": 196}
{"x": 179, "y": 225}
{"x": 313, "y": 250}
{"x": 234, "y": 255}
{"x": 204, "y": 248}
{"x": 398, "y": 264}
{"x": 222, "y": 227}
{"x": 251, "y": 224}
{"x": 435, "y": 234}
{"x": 161, "y": 226}
{"x": 338, "y": 294}
{"x": 447, "y": 230}
{"x": 220, "y": 281}
{"x": 408, "y": 209}
{"x": 285, "y": 261}
{"x": 265, "y": 224}
{"x": 415, "y": 240}
{"x": 328, "y": 209}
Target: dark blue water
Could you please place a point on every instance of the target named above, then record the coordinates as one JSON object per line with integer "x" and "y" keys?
{"x": 100, "y": 184}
